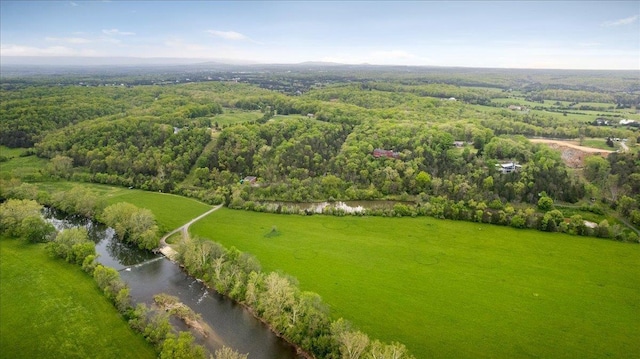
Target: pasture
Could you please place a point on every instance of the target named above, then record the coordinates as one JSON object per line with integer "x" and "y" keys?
{"x": 451, "y": 289}
{"x": 52, "y": 309}
{"x": 234, "y": 116}
{"x": 171, "y": 211}
{"x": 17, "y": 166}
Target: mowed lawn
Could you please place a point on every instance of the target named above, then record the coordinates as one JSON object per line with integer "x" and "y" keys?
{"x": 52, "y": 309}
{"x": 452, "y": 289}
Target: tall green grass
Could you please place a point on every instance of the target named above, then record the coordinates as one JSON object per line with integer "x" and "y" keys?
{"x": 28, "y": 167}
{"x": 52, "y": 309}
{"x": 454, "y": 289}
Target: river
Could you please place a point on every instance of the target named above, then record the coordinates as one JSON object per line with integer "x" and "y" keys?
{"x": 147, "y": 274}
{"x": 349, "y": 207}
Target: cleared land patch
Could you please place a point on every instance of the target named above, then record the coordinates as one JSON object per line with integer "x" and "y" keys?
{"x": 572, "y": 153}
{"x": 454, "y": 289}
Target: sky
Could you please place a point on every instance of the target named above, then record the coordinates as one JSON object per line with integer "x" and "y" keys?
{"x": 508, "y": 34}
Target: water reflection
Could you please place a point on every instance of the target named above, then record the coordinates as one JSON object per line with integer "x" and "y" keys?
{"x": 147, "y": 274}
{"x": 112, "y": 252}
{"x": 350, "y": 207}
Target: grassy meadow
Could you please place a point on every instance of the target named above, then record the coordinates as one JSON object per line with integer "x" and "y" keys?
{"x": 171, "y": 211}
{"x": 454, "y": 289}
{"x": 52, "y": 309}
{"x": 233, "y": 116}
{"x": 17, "y": 166}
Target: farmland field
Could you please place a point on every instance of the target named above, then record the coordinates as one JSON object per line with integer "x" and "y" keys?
{"x": 52, "y": 309}
{"x": 454, "y": 289}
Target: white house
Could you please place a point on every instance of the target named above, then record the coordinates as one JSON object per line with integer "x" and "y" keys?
{"x": 508, "y": 167}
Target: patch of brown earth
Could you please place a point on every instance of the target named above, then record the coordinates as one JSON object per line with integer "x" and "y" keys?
{"x": 572, "y": 154}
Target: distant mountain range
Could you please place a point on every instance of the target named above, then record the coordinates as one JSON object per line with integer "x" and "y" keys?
{"x": 34, "y": 65}
{"x": 112, "y": 61}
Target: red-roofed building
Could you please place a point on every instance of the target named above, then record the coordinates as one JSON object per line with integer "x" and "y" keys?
{"x": 378, "y": 152}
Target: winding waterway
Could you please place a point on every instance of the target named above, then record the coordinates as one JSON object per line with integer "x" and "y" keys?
{"x": 147, "y": 274}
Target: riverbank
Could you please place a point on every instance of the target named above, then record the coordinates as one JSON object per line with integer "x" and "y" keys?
{"x": 173, "y": 255}
{"x": 52, "y": 309}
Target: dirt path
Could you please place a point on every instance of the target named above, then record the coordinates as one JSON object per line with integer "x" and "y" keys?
{"x": 185, "y": 228}
{"x": 572, "y": 154}
{"x": 570, "y": 144}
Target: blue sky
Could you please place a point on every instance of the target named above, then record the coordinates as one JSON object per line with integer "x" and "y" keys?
{"x": 516, "y": 34}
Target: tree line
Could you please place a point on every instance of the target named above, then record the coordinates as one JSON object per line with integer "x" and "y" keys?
{"x": 22, "y": 219}
{"x": 299, "y": 316}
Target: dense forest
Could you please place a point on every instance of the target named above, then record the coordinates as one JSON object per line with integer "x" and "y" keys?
{"x": 315, "y": 134}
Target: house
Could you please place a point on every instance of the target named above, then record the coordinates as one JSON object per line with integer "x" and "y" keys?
{"x": 508, "y": 167}
{"x": 458, "y": 144}
{"x": 378, "y": 152}
{"x": 626, "y": 122}
{"x": 452, "y": 99}
{"x": 310, "y": 115}
{"x": 249, "y": 179}
{"x": 601, "y": 122}
{"x": 515, "y": 108}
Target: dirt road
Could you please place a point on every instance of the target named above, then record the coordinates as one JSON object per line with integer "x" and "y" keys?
{"x": 185, "y": 228}
{"x": 572, "y": 154}
{"x": 570, "y": 145}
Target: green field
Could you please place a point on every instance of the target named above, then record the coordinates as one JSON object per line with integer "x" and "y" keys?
{"x": 600, "y": 143}
{"x": 454, "y": 289}
{"x": 171, "y": 211}
{"x": 24, "y": 167}
{"x": 11, "y": 152}
{"x": 232, "y": 117}
{"x": 52, "y": 309}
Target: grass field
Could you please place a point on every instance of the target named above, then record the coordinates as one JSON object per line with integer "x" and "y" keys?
{"x": 232, "y": 116}
{"x": 52, "y": 309}
{"x": 600, "y": 143}
{"x": 171, "y": 211}
{"x": 24, "y": 167}
{"x": 11, "y": 152}
{"x": 454, "y": 289}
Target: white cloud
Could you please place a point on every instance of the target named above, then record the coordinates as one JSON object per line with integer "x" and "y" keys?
{"x": 117, "y": 32}
{"x": 73, "y": 4}
{"x": 589, "y": 44}
{"x": 621, "y": 22}
{"x": 21, "y": 50}
{"x": 228, "y": 35}
{"x": 69, "y": 40}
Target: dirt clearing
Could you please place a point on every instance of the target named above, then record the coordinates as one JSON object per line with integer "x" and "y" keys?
{"x": 572, "y": 153}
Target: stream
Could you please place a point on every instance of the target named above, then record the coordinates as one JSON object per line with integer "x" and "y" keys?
{"x": 147, "y": 274}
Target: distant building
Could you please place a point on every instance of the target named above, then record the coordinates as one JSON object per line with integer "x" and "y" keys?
{"x": 508, "y": 167}
{"x": 601, "y": 122}
{"x": 626, "y": 122}
{"x": 452, "y": 99}
{"x": 249, "y": 179}
{"x": 378, "y": 152}
{"x": 458, "y": 144}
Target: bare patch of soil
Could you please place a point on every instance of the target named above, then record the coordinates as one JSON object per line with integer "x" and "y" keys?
{"x": 572, "y": 153}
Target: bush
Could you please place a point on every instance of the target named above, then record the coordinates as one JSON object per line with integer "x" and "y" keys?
{"x": 545, "y": 203}
{"x": 72, "y": 245}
